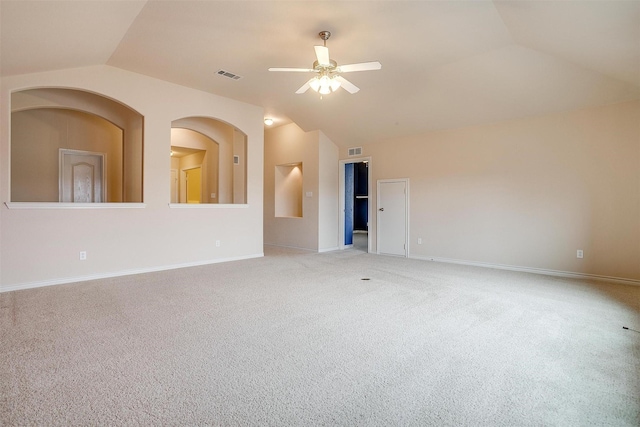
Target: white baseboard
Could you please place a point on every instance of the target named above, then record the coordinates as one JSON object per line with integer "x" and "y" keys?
{"x": 303, "y": 249}
{"x": 557, "y": 273}
{"x": 65, "y": 280}
{"x": 290, "y": 247}
{"x": 546, "y": 272}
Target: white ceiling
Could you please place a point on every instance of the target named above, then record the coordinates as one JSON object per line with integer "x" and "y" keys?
{"x": 445, "y": 64}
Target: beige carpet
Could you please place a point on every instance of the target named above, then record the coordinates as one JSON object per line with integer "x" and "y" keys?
{"x": 300, "y": 339}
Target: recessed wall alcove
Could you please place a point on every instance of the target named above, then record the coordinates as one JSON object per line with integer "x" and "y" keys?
{"x": 71, "y": 146}
{"x": 288, "y": 194}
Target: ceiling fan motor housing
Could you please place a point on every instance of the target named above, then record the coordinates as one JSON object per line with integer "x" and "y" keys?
{"x": 318, "y": 67}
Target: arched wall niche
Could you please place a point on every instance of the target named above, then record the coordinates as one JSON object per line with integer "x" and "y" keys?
{"x": 225, "y": 158}
{"x": 47, "y": 120}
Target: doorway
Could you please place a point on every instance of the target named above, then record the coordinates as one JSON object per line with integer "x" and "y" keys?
{"x": 355, "y": 206}
{"x": 193, "y": 184}
{"x": 392, "y": 217}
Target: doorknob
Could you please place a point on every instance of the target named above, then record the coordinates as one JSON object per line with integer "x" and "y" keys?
{"x": 381, "y": 209}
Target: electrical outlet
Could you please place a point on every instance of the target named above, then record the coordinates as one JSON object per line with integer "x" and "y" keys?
{"x": 217, "y": 243}
{"x": 83, "y": 255}
{"x": 419, "y": 240}
{"x": 579, "y": 254}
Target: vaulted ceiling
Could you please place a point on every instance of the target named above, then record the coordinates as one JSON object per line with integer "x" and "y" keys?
{"x": 445, "y": 64}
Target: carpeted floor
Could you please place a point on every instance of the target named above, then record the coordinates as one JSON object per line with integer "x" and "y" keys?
{"x": 301, "y": 339}
{"x": 361, "y": 242}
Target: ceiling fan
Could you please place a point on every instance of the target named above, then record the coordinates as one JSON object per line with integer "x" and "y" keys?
{"x": 328, "y": 78}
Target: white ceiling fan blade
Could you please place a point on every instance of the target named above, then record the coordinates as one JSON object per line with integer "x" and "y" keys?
{"x": 305, "y": 87}
{"x": 362, "y": 66}
{"x": 297, "y": 70}
{"x": 347, "y": 85}
{"x": 322, "y": 53}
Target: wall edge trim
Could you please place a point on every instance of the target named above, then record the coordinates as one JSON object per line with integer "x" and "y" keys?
{"x": 290, "y": 247}
{"x": 547, "y": 272}
{"x": 69, "y": 280}
{"x": 209, "y": 206}
{"x": 64, "y": 205}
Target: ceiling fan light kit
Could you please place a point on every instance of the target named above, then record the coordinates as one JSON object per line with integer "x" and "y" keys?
{"x": 328, "y": 78}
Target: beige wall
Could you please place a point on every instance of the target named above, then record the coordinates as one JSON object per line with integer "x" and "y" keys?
{"x": 525, "y": 193}
{"x": 41, "y": 245}
{"x": 328, "y": 189}
{"x": 175, "y": 163}
{"x": 37, "y": 137}
{"x": 318, "y": 228}
{"x": 286, "y": 145}
{"x": 240, "y": 170}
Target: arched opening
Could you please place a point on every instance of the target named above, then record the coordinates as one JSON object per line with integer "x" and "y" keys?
{"x": 194, "y": 167}
{"x": 61, "y": 139}
{"x": 217, "y": 152}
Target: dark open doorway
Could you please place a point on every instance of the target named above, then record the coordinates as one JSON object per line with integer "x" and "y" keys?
{"x": 356, "y": 203}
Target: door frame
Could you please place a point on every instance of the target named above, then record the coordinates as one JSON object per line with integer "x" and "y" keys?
{"x": 177, "y": 184}
{"x": 341, "y": 206}
{"x": 183, "y": 183}
{"x": 103, "y": 165}
{"x": 406, "y": 212}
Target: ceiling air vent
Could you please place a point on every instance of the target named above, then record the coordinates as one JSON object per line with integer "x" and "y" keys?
{"x": 355, "y": 151}
{"x": 232, "y": 76}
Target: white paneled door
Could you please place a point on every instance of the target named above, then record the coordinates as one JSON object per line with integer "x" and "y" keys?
{"x": 81, "y": 176}
{"x": 393, "y": 204}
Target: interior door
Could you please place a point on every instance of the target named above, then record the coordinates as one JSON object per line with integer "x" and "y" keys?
{"x": 81, "y": 177}
{"x": 392, "y": 217}
{"x": 194, "y": 185}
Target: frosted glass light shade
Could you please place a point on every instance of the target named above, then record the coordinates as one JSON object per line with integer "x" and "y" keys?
{"x": 315, "y": 84}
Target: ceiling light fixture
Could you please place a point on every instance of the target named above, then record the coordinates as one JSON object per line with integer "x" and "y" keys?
{"x": 268, "y": 122}
{"x": 328, "y": 78}
{"x": 324, "y": 84}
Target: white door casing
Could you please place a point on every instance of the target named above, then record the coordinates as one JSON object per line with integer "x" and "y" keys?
{"x": 174, "y": 186}
{"x": 81, "y": 176}
{"x": 393, "y": 217}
